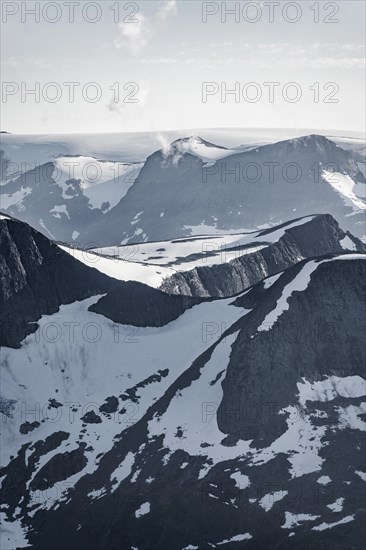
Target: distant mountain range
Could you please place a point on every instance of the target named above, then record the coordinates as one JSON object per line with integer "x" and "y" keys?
{"x": 189, "y": 187}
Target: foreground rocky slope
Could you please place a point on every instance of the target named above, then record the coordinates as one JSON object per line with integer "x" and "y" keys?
{"x": 257, "y": 420}
{"x": 133, "y": 303}
{"x": 36, "y": 278}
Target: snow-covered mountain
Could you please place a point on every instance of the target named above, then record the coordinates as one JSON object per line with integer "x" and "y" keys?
{"x": 38, "y": 275}
{"x": 60, "y": 198}
{"x": 186, "y": 188}
{"x": 249, "y": 408}
{"x": 178, "y": 194}
{"x": 222, "y": 265}
{"x": 182, "y": 352}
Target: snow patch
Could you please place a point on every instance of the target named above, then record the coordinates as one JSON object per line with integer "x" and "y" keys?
{"x": 271, "y": 280}
{"x": 6, "y": 201}
{"x": 294, "y": 520}
{"x": 59, "y": 209}
{"x": 337, "y": 506}
{"x": 13, "y": 535}
{"x": 330, "y": 388}
{"x": 324, "y": 526}
{"x": 268, "y": 501}
{"x": 143, "y": 510}
{"x": 236, "y": 538}
{"x": 347, "y": 243}
{"x": 353, "y": 194}
{"x": 193, "y": 410}
{"x": 323, "y": 480}
{"x": 241, "y": 481}
{"x": 123, "y": 470}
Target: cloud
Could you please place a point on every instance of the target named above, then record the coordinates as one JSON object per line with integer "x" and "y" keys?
{"x": 159, "y": 61}
{"x": 165, "y": 143}
{"x": 167, "y": 8}
{"x": 126, "y": 107}
{"x": 135, "y": 35}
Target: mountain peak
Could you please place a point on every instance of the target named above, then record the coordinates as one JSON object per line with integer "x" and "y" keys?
{"x": 313, "y": 140}
{"x": 197, "y": 147}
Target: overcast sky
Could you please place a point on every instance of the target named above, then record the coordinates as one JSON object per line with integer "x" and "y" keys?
{"x": 168, "y": 51}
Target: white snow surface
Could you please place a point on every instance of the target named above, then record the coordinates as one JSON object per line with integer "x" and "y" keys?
{"x": 123, "y": 270}
{"x": 337, "y": 506}
{"x": 323, "y": 480}
{"x": 236, "y": 538}
{"x": 294, "y": 520}
{"x": 347, "y": 243}
{"x": 12, "y": 534}
{"x": 196, "y": 146}
{"x": 63, "y": 359}
{"x": 241, "y": 480}
{"x": 209, "y": 249}
{"x": 269, "y": 500}
{"x": 324, "y": 526}
{"x": 331, "y": 387}
{"x": 101, "y": 181}
{"x": 353, "y": 194}
{"x": 193, "y": 410}
{"x": 59, "y": 209}
{"x": 143, "y": 510}
{"x": 6, "y": 201}
{"x": 123, "y": 470}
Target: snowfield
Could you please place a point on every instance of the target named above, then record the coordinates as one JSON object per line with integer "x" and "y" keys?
{"x": 101, "y": 181}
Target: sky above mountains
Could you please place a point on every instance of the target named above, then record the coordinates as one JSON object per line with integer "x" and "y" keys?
{"x": 164, "y": 65}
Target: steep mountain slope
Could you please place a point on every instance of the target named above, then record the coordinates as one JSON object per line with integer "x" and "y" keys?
{"x": 61, "y": 198}
{"x": 188, "y": 187}
{"x": 264, "y": 253}
{"x": 257, "y": 423}
{"x": 176, "y": 194}
{"x": 38, "y": 276}
{"x": 224, "y": 265}
{"x": 139, "y": 305}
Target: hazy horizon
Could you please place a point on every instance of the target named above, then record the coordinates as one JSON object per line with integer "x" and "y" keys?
{"x": 170, "y": 65}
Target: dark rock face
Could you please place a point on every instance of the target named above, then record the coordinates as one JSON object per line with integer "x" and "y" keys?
{"x": 110, "y": 406}
{"x": 37, "y": 277}
{"x": 131, "y": 394}
{"x": 136, "y": 304}
{"x": 28, "y": 427}
{"x": 317, "y": 336}
{"x": 318, "y": 237}
{"x": 59, "y": 468}
{"x": 91, "y": 418}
